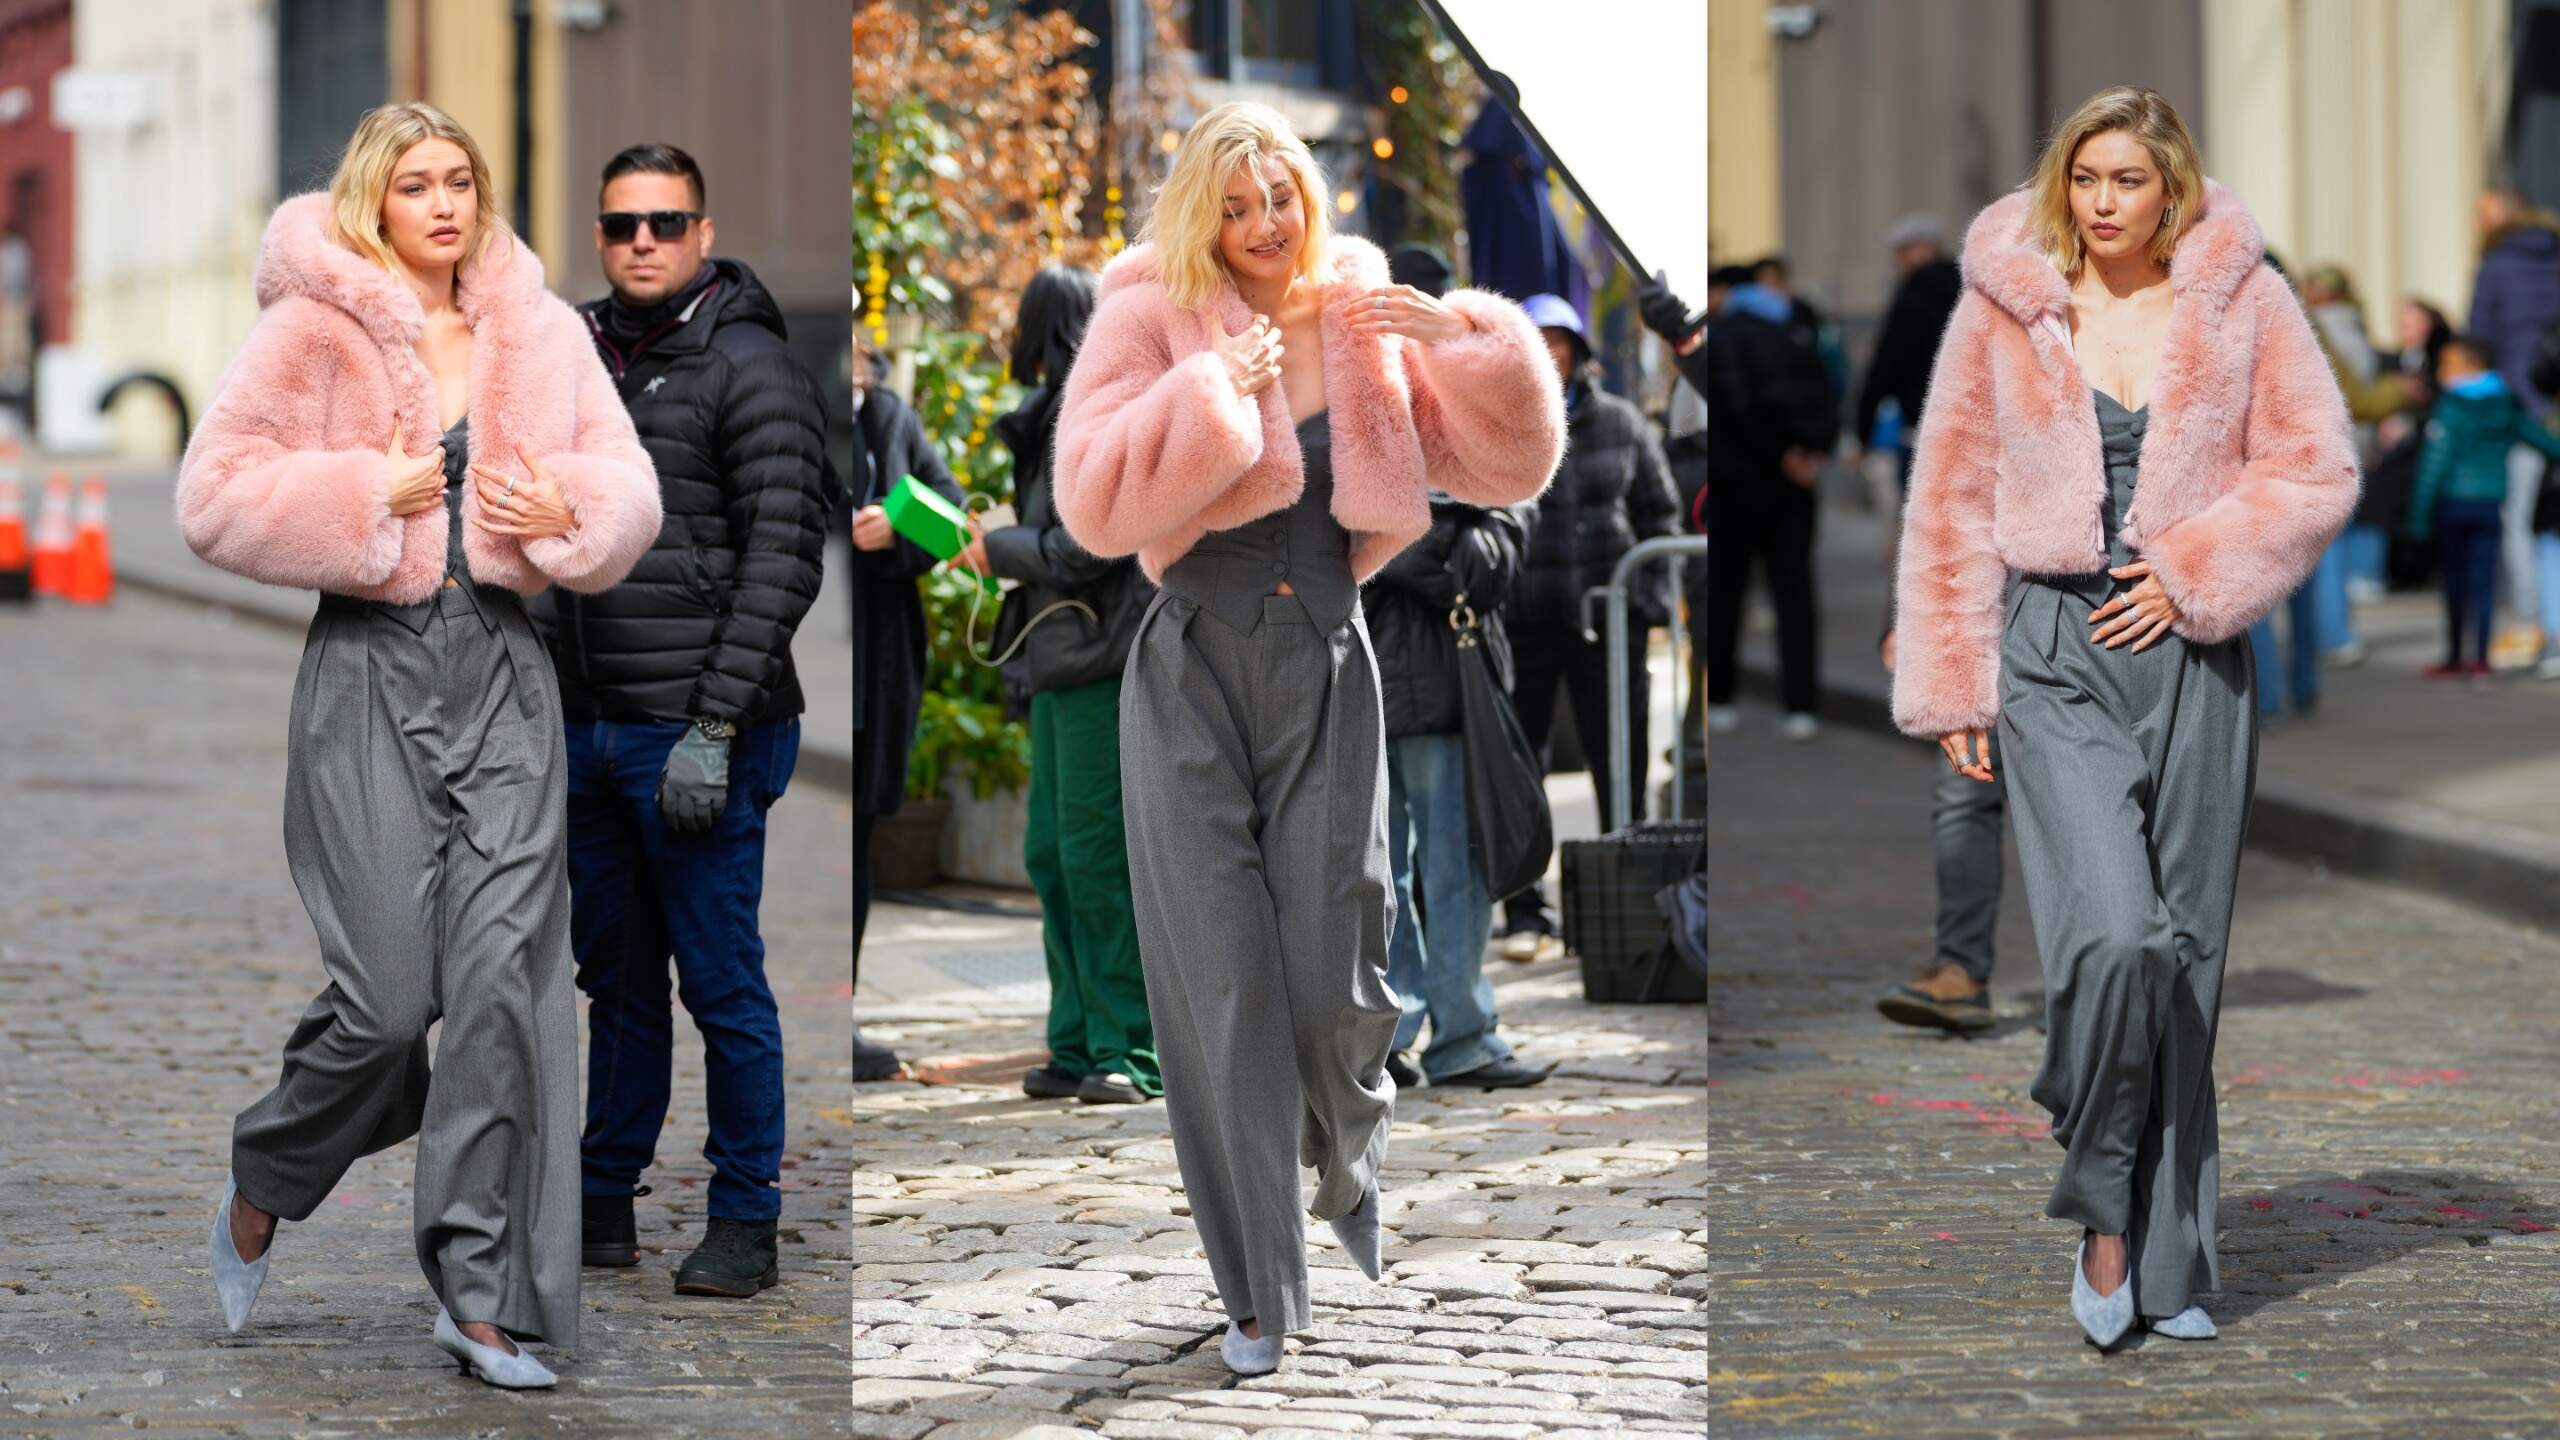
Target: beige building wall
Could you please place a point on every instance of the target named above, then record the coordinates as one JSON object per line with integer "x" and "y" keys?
{"x": 2360, "y": 133}
{"x": 1742, "y": 133}
{"x": 173, "y": 197}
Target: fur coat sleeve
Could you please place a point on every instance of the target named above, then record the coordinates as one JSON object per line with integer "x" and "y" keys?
{"x": 1486, "y": 405}
{"x": 250, "y": 502}
{"x": 1950, "y": 580}
{"x": 1146, "y": 441}
{"x": 2238, "y": 558}
{"x": 608, "y": 480}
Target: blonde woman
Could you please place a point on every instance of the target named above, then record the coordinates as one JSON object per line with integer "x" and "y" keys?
{"x": 1259, "y": 417}
{"x": 2129, "y": 415}
{"x": 402, "y": 329}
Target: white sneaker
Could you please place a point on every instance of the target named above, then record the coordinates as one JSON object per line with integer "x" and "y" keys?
{"x": 1723, "y": 719}
{"x": 1800, "y": 727}
{"x": 2363, "y": 591}
{"x": 2345, "y": 657}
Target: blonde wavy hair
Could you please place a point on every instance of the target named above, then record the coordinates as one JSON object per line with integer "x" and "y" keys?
{"x": 363, "y": 180}
{"x": 1191, "y": 203}
{"x": 2145, "y": 116}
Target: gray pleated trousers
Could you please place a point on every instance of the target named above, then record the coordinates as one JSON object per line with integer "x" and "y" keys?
{"x": 1253, "y": 773}
{"x": 2129, "y": 780}
{"x": 425, "y": 823}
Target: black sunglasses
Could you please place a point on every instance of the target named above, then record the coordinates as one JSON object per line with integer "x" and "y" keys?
{"x": 621, "y": 225}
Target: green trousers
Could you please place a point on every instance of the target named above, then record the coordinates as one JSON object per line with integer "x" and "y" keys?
{"x": 1077, "y": 851}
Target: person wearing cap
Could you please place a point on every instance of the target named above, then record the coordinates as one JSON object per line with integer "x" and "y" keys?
{"x": 1774, "y": 417}
{"x": 1613, "y": 490}
{"x": 1952, "y": 989}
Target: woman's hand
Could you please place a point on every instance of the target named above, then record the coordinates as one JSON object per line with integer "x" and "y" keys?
{"x": 871, "y": 529}
{"x": 528, "y": 509}
{"x": 417, "y": 481}
{"x": 2142, "y": 614}
{"x": 1252, "y": 358}
{"x": 1969, "y": 751}
{"x": 1403, "y": 310}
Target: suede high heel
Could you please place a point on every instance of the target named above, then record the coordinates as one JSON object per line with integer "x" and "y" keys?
{"x": 489, "y": 1364}
{"x": 1250, "y": 1357}
{"x": 2104, "y": 1318}
{"x": 2188, "y": 1324}
{"x": 235, "y": 1281}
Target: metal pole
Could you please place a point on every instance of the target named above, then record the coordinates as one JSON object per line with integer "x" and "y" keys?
{"x": 1621, "y": 782}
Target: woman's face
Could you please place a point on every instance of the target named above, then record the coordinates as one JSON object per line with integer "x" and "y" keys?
{"x": 2116, "y": 195}
{"x": 2414, "y": 325}
{"x": 1259, "y": 239}
{"x": 432, "y": 209}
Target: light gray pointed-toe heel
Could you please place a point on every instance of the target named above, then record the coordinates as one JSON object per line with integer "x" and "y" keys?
{"x": 489, "y": 1364}
{"x": 1250, "y": 1357}
{"x": 2104, "y": 1318}
{"x": 235, "y": 1280}
{"x": 2188, "y": 1324}
{"x": 1357, "y": 1229}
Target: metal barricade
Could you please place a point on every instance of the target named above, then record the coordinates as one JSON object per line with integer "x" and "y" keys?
{"x": 1623, "y": 782}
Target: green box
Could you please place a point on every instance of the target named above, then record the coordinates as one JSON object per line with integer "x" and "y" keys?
{"x": 930, "y": 521}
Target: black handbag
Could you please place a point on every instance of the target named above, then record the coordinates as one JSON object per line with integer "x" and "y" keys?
{"x": 1507, "y": 818}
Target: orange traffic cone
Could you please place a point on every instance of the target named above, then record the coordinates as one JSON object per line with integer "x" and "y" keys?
{"x": 53, "y": 537}
{"x": 93, "y": 570}
{"x": 17, "y": 583}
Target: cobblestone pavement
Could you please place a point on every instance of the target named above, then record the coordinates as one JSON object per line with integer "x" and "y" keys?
{"x": 2390, "y": 1153}
{"x": 153, "y": 955}
{"x": 1028, "y": 1267}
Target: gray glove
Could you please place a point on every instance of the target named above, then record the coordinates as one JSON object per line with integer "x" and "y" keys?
{"x": 695, "y": 786}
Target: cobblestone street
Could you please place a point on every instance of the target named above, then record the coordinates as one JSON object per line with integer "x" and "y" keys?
{"x": 1022, "y": 1264}
{"x": 153, "y": 955}
{"x": 2390, "y": 1143}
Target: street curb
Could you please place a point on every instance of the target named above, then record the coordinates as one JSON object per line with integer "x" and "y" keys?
{"x": 2511, "y": 873}
{"x": 827, "y": 768}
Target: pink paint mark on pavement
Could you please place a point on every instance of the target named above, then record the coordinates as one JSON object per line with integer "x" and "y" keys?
{"x": 2262, "y": 1204}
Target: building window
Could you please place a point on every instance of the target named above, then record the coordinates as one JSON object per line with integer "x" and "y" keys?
{"x": 1268, "y": 42}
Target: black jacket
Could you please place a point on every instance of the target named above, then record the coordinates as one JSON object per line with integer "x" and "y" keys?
{"x": 1612, "y": 490}
{"x": 703, "y": 625}
{"x": 888, "y": 610}
{"x": 1766, "y": 391}
{"x": 1472, "y": 550}
{"x": 1908, "y": 344}
{"x": 1067, "y": 648}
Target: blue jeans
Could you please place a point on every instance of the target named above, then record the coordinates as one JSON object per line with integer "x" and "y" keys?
{"x": 641, "y": 893}
{"x": 2367, "y": 553}
{"x": 2546, "y": 574}
{"x": 2469, "y": 532}
{"x": 2335, "y": 621}
{"x": 2302, "y": 655}
{"x": 1437, "y": 966}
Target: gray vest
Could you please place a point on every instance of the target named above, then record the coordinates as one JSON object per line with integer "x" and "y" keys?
{"x": 1230, "y": 571}
{"x": 457, "y": 472}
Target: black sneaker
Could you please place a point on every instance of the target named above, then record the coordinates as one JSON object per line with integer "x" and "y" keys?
{"x": 872, "y": 1061}
{"x": 1051, "y": 1082}
{"x": 607, "y": 1233}
{"x": 736, "y": 1259}
{"x": 1504, "y": 1074}
{"x": 1406, "y": 1074}
{"x": 1108, "y": 1087}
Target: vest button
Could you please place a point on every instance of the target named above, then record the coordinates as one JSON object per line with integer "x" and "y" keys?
{"x": 1279, "y": 567}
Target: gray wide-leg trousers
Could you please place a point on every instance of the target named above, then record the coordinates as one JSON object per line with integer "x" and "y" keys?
{"x": 425, "y": 823}
{"x": 1253, "y": 773}
{"x": 2129, "y": 780}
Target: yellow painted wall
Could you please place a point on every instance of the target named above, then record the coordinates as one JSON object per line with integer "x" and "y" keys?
{"x": 2360, "y": 132}
{"x": 1742, "y": 132}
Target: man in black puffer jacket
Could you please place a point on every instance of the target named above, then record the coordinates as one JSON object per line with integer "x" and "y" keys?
{"x": 1435, "y": 960}
{"x": 683, "y": 715}
{"x": 1613, "y": 490}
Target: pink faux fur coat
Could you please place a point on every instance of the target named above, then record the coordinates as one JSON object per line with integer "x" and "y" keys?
{"x": 1156, "y": 449}
{"x": 286, "y": 480}
{"x": 2248, "y": 466}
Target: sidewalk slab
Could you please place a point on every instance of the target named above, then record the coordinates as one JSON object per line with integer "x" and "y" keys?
{"x": 2443, "y": 788}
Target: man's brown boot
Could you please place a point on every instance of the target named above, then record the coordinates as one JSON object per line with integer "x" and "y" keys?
{"x": 1943, "y": 997}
